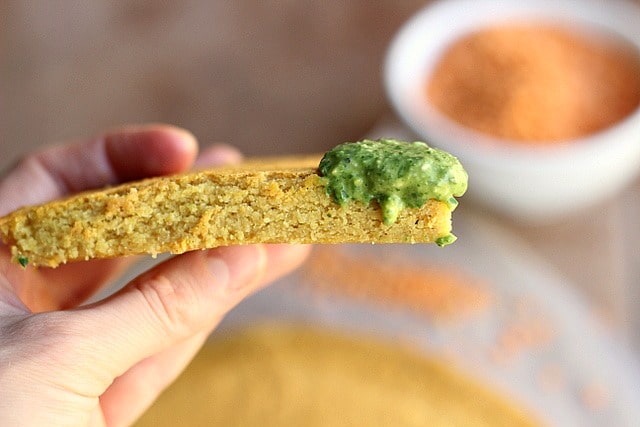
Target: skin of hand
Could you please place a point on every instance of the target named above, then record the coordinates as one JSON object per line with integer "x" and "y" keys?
{"x": 63, "y": 363}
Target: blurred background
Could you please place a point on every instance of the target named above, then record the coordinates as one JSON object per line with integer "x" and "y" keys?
{"x": 265, "y": 76}
{"x": 269, "y": 78}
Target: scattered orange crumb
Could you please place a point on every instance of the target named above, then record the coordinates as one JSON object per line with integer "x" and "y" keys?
{"x": 523, "y": 335}
{"x": 526, "y": 331}
{"x": 445, "y": 294}
{"x": 596, "y": 396}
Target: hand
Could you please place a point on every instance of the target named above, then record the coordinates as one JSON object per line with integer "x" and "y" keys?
{"x": 105, "y": 363}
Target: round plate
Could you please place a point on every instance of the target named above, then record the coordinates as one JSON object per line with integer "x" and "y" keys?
{"x": 537, "y": 340}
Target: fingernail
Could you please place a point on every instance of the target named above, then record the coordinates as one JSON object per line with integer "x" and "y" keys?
{"x": 218, "y": 155}
{"x": 237, "y": 267}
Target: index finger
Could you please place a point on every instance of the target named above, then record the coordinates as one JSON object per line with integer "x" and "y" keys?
{"x": 116, "y": 156}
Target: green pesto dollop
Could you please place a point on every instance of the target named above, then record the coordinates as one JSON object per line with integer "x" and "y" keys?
{"x": 394, "y": 173}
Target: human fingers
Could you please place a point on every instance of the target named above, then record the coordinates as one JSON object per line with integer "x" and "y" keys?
{"x": 72, "y": 357}
{"x": 70, "y": 285}
{"x": 135, "y": 390}
{"x": 218, "y": 154}
{"x": 116, "y": 156}
{"x": 183, "y": 297}
{"x": 131, "y": 394}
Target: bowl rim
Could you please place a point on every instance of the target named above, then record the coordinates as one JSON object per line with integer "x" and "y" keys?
{"x": 446, "y": 133}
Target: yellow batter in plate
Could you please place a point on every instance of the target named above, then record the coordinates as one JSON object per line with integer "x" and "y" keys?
{"x": 278, "y": 375}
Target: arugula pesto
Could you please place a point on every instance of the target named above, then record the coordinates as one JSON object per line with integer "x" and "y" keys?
{"x": 396, "y": 174}
{"x": 23, "y": 261}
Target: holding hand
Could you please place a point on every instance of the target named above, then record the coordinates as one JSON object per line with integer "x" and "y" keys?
{"x": 105, "y": 363}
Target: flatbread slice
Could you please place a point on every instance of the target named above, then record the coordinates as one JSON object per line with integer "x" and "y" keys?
{"x": 269, "y": 200}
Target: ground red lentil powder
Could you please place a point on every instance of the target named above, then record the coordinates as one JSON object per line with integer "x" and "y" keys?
{"x": 440, "y": 293}
{"x": 536, "y": 83}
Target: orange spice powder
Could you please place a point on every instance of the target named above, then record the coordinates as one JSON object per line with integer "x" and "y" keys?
{"x": 536, "y": 83}
{"x": 442, "y": 294}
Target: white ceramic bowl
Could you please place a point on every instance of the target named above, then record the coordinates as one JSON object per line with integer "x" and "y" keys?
{"x": 526, "y": 182}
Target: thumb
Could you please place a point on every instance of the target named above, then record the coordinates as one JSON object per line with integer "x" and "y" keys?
{"x": 67, "y": 360}
{"x": 186, "y": 295}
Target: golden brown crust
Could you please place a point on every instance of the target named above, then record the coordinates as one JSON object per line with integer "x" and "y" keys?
{"x": 276, "y": 200}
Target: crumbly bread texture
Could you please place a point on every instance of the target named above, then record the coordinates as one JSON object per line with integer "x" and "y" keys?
{"x": 271, "y": 200}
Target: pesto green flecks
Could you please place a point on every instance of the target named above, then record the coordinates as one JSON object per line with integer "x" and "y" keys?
{"x": 446, "y": 240}
{"x": 23, "y": 261}
{"x": 394, "y": 173}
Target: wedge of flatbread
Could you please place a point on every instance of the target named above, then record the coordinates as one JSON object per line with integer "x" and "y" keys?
{"x": 269, "y": 200}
